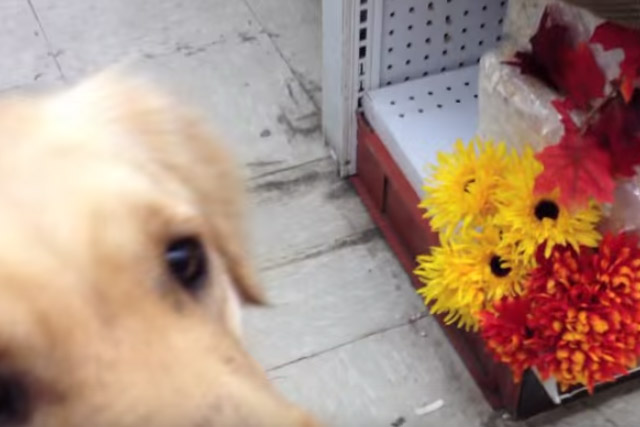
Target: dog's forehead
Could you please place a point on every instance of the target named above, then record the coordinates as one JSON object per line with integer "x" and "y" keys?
{"x": 66, "y": 153}
{"x": 69, "y": 201}
{"x": 56, "y": 190}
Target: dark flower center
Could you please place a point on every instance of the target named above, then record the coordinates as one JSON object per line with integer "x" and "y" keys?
{"x": 528, "y": 333}
{"x": 496, "y": 267}
{"x": 546, "y": 209}
{"x": 467, "y": 184}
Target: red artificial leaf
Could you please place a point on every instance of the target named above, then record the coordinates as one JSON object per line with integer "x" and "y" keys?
{"x": 580, "y": 171}
{"x": 565, "y": 65}
{"x": 577, "y": 166}
{"x": 614, "y": 36}
{"x": 582, "y": 79}
{"x": 563, "y": 107}
{"x": 528, "y": 66}
{"x": 617, "y": 129}
{"x": 627, "y": 86}
{"x": 547, "y": 47}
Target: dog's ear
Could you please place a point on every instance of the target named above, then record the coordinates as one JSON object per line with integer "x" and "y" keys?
{"x": 177, "y": 140}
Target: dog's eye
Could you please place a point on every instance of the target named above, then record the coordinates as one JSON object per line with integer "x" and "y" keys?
{"x": 187, "y": 262}
{"x": 14, "y": 400}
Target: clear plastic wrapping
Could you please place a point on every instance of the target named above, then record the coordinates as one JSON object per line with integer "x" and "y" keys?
{"x": 523, "y": 17}
{"x": 514, "y": 108}
{"x": 624, "y": 214}
{"x": 517, "y": 109}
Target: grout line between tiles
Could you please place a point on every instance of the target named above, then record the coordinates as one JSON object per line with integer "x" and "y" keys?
{"x": 288, "y": 168}
{"x": 411, "y": 321}
{"x": 355, "y": 239}
{"x": 294, "y": 73}
{"x": 50, "y": 50}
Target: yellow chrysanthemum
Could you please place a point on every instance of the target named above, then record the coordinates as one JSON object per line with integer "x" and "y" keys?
{"x": 529, "y": 220}
{"x": 466, "y": 274}
{"x": 462, "y": 186}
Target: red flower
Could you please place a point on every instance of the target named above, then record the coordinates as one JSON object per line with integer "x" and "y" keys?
{"x": 583, "y": 315}
{"x": 506, "y": 334}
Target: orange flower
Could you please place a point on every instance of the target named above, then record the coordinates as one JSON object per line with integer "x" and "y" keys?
{"x": 582, "y": 321}
{"x": 587, "y": 312}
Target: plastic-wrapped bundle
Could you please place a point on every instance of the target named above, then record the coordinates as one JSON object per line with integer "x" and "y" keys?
{"x": 517, "y": 109}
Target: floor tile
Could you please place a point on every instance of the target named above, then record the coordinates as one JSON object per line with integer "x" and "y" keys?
{"x": 328, "y": 300}
{"x": 246, "y": 91}
{"x": 24, "y": 56}
{"x": 304, "y": 211}
{"x": 91, "y": 34}
{"x": 383, "y": 379}
{"x": 295, "y": 27}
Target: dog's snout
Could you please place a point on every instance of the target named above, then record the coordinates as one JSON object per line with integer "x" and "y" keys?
{"x": 185, "y": 373}
{"x": 15, "y": 400}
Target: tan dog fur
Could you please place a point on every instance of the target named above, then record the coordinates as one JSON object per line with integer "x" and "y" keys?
{"x": 94, "y": 183}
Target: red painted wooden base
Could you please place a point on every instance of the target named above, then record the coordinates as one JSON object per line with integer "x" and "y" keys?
{"x": 392, "y": 203}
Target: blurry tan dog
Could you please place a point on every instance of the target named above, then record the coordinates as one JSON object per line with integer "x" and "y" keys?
{"x": 121, "y": 267}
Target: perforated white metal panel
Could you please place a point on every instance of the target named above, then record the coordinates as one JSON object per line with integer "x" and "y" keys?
{"x": 418, "y": 118}
{"x": 368, "y": 44}
{"x": 423, "y": 37}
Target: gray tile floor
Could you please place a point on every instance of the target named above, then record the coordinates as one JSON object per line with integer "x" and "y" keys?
{"x": 339, "y": 338}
